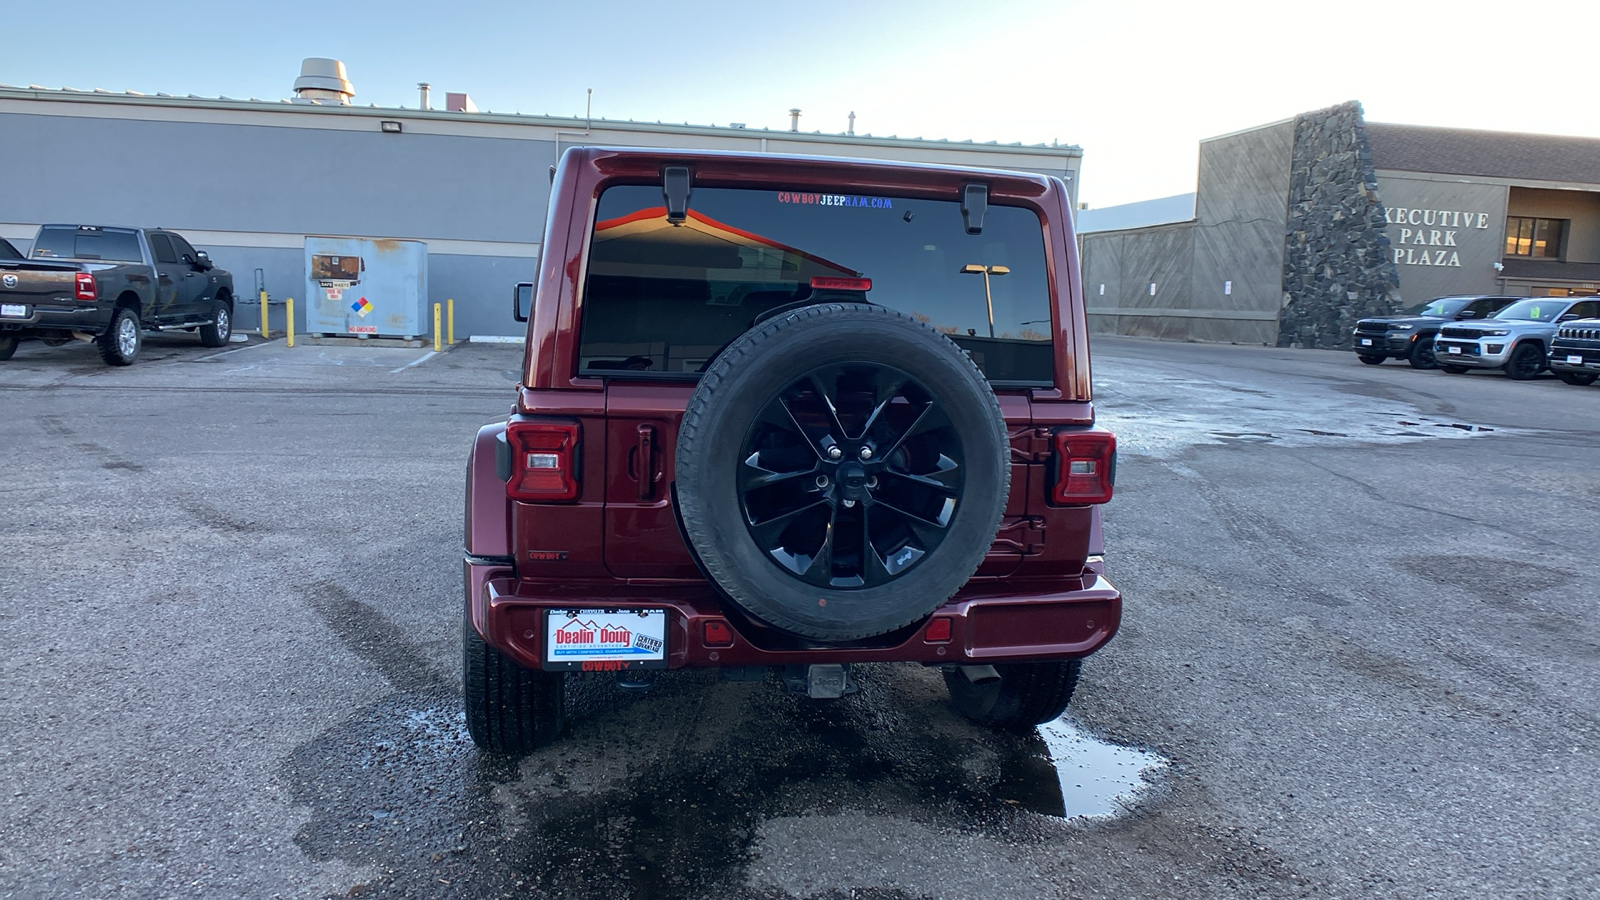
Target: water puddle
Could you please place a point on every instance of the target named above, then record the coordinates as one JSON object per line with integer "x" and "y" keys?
{"x": 1070, "y": 773}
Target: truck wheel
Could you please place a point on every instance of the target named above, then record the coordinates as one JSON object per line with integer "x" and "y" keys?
{"x": 120, "y": 342}
{"x": 1526, "y": 362}
{"x": 1577, "y": 378}
{"x": 1370, "y": 359}
{"x": 509, "y": 709}
{"x": 1421, "y": 355}
{"x": 1454, "y": 370}
{"x": 1026, "y": 695}
{"x": 841, "y": 470}
{"x": 217, "y": 333}
{"x": 8, "y": 346}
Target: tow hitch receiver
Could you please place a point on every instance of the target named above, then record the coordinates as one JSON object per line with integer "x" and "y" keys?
{"x": 819, "y": 682}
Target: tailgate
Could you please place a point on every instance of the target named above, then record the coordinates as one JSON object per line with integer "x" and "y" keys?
{"x": 31, "y": 282}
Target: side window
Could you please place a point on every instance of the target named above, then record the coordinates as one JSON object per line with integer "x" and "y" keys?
{"x": 161, "y": 246}
{"x": 182, "y": 248}
{"x": 1483, "y": 309}
{"x": 1588, "y": 309}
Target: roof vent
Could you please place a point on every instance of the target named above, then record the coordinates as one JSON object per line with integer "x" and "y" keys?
{"x": 323, "y": 81}
{"x": 454, "y": 102}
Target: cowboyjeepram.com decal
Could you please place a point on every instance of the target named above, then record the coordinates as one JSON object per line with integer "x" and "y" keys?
{"x": 835, "y": 200}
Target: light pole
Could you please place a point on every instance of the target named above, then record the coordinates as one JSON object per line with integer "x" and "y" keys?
{"x": 988, "y": 298}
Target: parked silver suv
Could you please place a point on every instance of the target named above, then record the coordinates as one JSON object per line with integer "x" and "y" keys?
{"x": 1516, "y": 338}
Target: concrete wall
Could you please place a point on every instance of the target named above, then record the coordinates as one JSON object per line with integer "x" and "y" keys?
{"x": 1445, "y": 233}
{"x": 1217, "y": 278}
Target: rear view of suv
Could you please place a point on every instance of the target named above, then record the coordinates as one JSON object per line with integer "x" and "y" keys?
{"x": 790, "y": 414}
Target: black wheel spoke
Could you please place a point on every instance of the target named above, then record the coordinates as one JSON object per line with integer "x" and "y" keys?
{"x": 927, "y": 533}
{"x": 827, "y": 400}
{"x": 769, "y": 532}
{"x": 752, "y": 474}
{"x": 887, "y": 386}
{"x": 873, "y": 571}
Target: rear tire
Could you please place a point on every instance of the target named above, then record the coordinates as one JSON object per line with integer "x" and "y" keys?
{"x": 1026, "y": 695}
{"x": 1526, "y": 362}
{"x": 220, "y": 330}
{"x": 1578, "y": 378}
{"x": 8, "y": 346}
{"x": 1370, "y": 359}
{"x": 1454, "y": 370}
{"x": 509, "y": 709}
{"x": 120, "y": 343}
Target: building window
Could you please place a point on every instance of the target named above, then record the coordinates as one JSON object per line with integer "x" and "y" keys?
{"x": 1526, "y": 236}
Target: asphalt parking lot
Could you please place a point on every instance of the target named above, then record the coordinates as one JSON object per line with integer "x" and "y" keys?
{"x": 1358, "y": 658}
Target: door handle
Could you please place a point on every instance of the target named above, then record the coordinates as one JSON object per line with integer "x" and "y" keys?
{"x": 647, "y": 462}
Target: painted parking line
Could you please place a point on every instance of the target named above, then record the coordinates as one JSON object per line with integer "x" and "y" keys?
{"x": 416, "y": 362}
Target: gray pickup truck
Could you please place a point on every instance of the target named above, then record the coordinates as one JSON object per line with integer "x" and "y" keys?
{"x": 109, "y": 285}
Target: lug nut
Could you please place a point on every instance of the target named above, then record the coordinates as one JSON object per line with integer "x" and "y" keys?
{"x": 872, "y": 482}
{"x": 835, "y": 453}
{"x": 866, "y": 452}
{"x": 849, "y": 503}
{"x": 822, "y": 481}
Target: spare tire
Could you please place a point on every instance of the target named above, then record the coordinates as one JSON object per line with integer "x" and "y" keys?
{"x": 841, "y": 470}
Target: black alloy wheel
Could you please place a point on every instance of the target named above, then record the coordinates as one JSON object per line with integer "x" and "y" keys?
{"x": 1421, "y": 355}
{"x": 1526, "y": 362}
{"x": 850, "y": 475}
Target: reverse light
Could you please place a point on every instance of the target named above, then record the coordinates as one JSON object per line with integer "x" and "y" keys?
{"x": 1086, "y": 464}
{"x": 84, "y": 287}
{"x": 544, "y": 461}
{"x": 828, "y": 283}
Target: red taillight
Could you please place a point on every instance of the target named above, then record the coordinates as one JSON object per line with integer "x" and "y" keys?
{"x": 84, "y": 287}
{"x": 938, "y": 631}
{"x": 826, "y": 283}
{"x": 1086, "y": 463}
{"x": 544, "y": 461}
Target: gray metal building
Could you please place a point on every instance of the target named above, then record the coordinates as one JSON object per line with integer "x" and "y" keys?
{"x": 1302, "y": 226}
{"x": 248, "y": 180}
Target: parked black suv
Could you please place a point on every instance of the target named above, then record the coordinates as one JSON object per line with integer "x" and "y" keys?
{"x": 1410, "y": 335}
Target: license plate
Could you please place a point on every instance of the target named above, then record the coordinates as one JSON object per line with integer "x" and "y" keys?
{"x": 1366, "y": 342}
{"x": 13, "y": 310}
{"x": 605, "y": 640}
{"x": 1454, "y": 349}
{"x": 1575, "y": 360}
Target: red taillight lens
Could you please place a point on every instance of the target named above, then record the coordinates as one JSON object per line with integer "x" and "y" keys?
{"x": 828, "y": 283}
{"x": 1086, "y": 465}
{"x": 544, "y": 461}
{"x": 84, "y": 287}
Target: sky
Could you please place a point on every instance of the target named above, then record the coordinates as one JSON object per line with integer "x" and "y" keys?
{"x": 1135, "y": 84}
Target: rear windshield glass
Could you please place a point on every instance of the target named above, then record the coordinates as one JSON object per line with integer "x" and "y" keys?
{"x": 7, "y": 251}
{"x": 1444, "y": 307}
{"x": 77, "y": 243}
{"x": 663, "y": 300}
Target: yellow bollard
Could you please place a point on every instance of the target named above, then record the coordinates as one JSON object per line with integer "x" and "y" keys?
{"x": 436, "y": 328}
{"x": 288, "y": 320}
{"x": 264, "y": 315}
{"x": 450, "y": 321}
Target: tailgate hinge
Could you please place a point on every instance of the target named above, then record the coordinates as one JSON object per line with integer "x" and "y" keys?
{"x": 1031, "y": 445}
{"x": 1024, "y": 536}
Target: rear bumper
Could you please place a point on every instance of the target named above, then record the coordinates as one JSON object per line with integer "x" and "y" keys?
{"x": 88, "y": 318}
{"x": 989, "y": 622}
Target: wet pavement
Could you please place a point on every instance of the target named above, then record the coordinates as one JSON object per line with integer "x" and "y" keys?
{"x": 1357, "y": 658}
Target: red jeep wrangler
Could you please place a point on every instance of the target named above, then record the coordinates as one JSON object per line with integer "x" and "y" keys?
{"x": 791, "y": 413}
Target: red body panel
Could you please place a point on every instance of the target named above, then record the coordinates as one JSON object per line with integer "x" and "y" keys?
{"x": 619, "y": 545}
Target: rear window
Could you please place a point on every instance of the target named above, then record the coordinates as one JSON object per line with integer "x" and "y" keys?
{"x": 663, "y": 300}
{"x": 87, "y": 243}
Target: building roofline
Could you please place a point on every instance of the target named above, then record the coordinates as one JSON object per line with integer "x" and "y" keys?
{"x": 1264, "y": 125}
{"x": 135, "y": 99}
